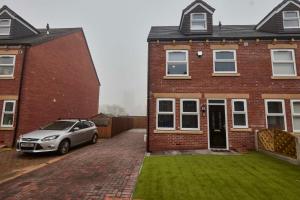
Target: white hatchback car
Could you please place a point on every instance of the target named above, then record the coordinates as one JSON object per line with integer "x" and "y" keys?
{"x": 58, "y": 136}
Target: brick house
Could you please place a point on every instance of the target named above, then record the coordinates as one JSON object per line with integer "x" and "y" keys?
{"x": 212, "y": 87}
{"x": 45, "y": 74}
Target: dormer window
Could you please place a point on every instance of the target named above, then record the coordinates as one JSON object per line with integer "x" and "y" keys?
{"x": 5, "y": 26}
{"x": 291, "y": 19}
{"x": 198, "y": 22}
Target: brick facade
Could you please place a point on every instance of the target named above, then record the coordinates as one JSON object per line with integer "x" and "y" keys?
{"x": 254, "y": 67}
{"x": 59, "y": 81}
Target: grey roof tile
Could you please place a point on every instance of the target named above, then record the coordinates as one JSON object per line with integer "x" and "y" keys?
{"x": 41, "y": 37}
{"x": 168, "y": 33}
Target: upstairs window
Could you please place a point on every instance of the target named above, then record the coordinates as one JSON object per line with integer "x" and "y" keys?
{"x": 165, "y": 114}
{"x": 239, "y": 112}
{"x": 8, "y": 114}
{"x": 177, "y": 63}
{"x": 7, "y": 65}
{"x": 291, "y": 19}
{"x": 283, "y": 62}
{"x": 189, "y": 114}
{"x": 225, "y": 61}
{"x": 198, "y": 22}
{"x": 275, "y": 114}
{"x": 5, "y": 26}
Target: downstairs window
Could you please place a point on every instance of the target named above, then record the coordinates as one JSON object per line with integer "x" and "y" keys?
{"x": 189, "y": 114}
{"x": 239, "y": 112}
{"x": 165, "y": 114}
{"x": 296, "y": 115}
{"x": 275, "y": 114}
{"x": 8, "y": 113}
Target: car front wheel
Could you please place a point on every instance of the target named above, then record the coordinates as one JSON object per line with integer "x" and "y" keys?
{"x": 64, "y": 147}
{"x": 94, "y": 139}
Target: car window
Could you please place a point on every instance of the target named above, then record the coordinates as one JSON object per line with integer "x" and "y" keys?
{"x": 78, "y": 125}
{"x": 59, "y": 126}
{"x": 86, "y": 124}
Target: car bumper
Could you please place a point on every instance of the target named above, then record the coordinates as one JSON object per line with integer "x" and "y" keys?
{"x": 36, "y": 147}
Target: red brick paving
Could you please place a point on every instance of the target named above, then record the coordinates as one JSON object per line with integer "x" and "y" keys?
{"x": 13, "y": 163}
{"x": 108, "y": 169}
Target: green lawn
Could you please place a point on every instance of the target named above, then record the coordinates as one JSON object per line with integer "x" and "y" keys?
{"x": 251, "y": 176}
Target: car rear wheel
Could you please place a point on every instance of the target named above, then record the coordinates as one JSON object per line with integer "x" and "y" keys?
{"x": 64, "y": 147}
{"x": 94, "y": 139}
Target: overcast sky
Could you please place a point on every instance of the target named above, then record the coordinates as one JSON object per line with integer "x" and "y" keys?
{"x": 117, "y": 34}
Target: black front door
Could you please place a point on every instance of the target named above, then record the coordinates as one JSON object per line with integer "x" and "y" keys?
{"x": 217, "y": 127}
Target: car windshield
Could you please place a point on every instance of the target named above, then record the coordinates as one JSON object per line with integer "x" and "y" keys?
{"x": 59, "y": 126}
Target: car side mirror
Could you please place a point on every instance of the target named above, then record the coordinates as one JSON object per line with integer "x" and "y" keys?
{"x": 75, "y": 129}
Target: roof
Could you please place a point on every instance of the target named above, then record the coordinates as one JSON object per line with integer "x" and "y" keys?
{"x": 198, "y": 2}
{"x": 19, "y": 18}
{"x": 169, "y": 33}
{"x": 279, "y": 7}
{"x": 41, "y": 37}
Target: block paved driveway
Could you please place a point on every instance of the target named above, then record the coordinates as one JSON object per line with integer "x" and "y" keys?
{"x": 109, "y": 168}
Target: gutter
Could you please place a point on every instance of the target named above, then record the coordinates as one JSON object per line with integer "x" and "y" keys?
{"x": 220, "y": 39}
{"x": 24, "y": 49}
{"x": 148, "y": 100}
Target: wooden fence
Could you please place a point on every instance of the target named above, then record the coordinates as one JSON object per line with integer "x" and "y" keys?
{"x": 279, "y": 142}
{"x": 116, "y": 125}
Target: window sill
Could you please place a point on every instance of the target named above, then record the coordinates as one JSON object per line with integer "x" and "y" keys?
{"x": 177, "y": 77}
{"x": 241, "y": 129}
{"x": 7, "y": 78}
{"x": 195, "y": 132}
{"x": 7, "y": 129}
{"x": 226, "y": 74}
{"x": 284, "y": 77}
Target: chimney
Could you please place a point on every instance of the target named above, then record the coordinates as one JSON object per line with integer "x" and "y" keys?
{"x": 220, "y": 25}
{"x": 48, "y": 29}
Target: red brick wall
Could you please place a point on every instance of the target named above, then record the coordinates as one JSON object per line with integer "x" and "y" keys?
{"x": 10, "y": 87}
{"x": 254, "y": 65}
{"x": 59, "y": 81}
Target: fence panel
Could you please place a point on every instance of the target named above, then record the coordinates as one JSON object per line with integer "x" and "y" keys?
{"x": 279, "y": 142}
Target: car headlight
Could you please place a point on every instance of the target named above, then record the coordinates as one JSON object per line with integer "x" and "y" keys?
{"x": 49, "y": 138}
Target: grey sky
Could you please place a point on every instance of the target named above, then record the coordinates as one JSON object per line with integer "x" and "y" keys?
{"x": 117, "y": 31}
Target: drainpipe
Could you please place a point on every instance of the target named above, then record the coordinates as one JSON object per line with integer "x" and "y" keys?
{"x": 24, "y": 49}
{"x": 148, "y": 99}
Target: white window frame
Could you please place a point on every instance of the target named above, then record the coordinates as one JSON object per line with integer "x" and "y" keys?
{"x": 197, "y": 113}
{"x": 9, "y": 26}
{"x": 294, "y": 114}
{"x": 200, "y": 20}
{"x": 8, "y": 112}
{"x": 274, "y": 114}
{"x": 291, "y": 18}
{"x": 224, "y": 60}
{"x": 13, "y": 65}
{"x": 245, "y": 112}
{"x": 166, "y": 113}
{"x": 187, "y": 62}
{"x": 282, "y": 61}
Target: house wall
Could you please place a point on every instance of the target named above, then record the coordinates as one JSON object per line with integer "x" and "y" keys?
{"x": 255, "y": 69}
{"x": 59, "y": 82}
{"x": 9, "y": 90}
